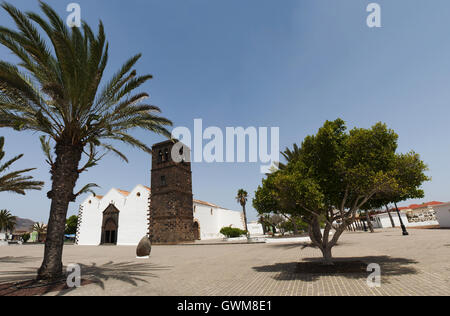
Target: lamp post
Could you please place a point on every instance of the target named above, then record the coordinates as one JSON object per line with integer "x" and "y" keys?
{"x": 404, "y": 231}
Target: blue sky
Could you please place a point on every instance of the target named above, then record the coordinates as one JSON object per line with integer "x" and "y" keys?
{"x": 291, "y": 64}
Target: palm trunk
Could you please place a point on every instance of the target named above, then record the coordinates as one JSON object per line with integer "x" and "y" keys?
{"x": 245, "y": 218}
{"x": 64, "y": 177}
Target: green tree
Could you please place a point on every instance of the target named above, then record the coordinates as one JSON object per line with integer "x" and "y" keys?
{"x": 71, "y": 225}
{"x": 26, "y": 237}
{"x": 241, "y": 198}
{"x": 410, "y": 176}
{"x": 337, "y": 172}
{"x": 7, "y": 221}
{"x": 15, "y": 181}
{"x": 55, "y": 91}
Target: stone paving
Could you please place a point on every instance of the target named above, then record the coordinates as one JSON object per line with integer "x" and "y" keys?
{"x": 413, "y": 265}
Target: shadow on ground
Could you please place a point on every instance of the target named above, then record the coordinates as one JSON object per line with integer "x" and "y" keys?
{"x": 126, "y": 272}
{"x": 23, "y": 259}
{"x": 389, "y": 267}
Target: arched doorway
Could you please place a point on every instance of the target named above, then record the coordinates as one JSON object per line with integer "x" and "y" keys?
{"x": 110, "y": 225}
{"x": 196, "y": 231}
{"x": 110, "y": 232}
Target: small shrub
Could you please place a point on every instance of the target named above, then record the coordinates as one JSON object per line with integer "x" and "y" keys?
{"x": 231, "y": 232}
{"x": 25, "y": 237}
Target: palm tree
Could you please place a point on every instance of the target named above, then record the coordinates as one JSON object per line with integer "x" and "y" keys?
{"x": 39, "y": 228}
{"x": 7, "y": 221}
{"x": 289, "y": 155}
{"x": 55, "y": 91}
{"x": 15, "y": 181}
{"x": 241, "y": 198}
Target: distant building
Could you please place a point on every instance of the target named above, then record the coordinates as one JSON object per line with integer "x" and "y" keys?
{"x": 255, "y": 228}
{"x": 414, "y": 215}
{"x": 443, "y": 214}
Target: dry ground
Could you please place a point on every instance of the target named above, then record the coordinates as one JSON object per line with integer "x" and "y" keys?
{"x": 413, "y": 265}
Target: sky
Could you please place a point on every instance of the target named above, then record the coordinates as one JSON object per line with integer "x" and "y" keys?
{"x": 291, "y": 64}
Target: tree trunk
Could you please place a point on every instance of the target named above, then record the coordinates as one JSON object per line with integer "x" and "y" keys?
{"x": 390, "y": 217}
{"x": 369, "y": 222}
{"x": 263, "y": 225}
{"x": 64, "y": 177}
{"x": 294, "y": 225}
{"x": 327, "y": 255}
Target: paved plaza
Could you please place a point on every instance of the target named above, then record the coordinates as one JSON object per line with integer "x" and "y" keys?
{"x": 418, "y": 264}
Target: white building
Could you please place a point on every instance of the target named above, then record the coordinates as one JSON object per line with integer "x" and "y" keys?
{"x": 383, "y": 221}
{"x": 132, "y": 209}
{"x": 255, "y": 228}
{"x": 414, "y": 215}
{"x": 443, "y": 214}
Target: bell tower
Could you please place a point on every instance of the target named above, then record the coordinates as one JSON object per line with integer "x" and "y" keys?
{"x": 171, "y": 218}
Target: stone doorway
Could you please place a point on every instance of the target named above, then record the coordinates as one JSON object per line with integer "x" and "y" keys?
{"x": 110, "y": 225}
{"x": 196, "y": 231}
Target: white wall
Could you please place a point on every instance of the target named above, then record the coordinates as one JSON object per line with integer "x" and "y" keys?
{"x": 255, "y": 229}
{"x": 90, "y": 222}
{"x": 386, "y": 222}
{"x": 212, "y": 219}
{"x": 92, "y": 217}
{"x": 133, "y": 218}
{"x": 205, "y": 215}
{"x": 443, "y": 214}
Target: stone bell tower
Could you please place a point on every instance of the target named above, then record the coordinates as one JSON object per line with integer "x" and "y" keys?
{"x": 171, "y": 217}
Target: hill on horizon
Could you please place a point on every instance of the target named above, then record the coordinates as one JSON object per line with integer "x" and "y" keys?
{"x": 24, "y": 224}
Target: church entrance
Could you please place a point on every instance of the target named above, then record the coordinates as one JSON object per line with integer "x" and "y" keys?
{"x": 196, "y": 231}
{"x": 110, "y": 225}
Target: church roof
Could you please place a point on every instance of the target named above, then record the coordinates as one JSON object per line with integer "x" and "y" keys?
{"x": 123, "y": 192}
{"x": 127, "y": 193}
{"x": 206, "y": 203}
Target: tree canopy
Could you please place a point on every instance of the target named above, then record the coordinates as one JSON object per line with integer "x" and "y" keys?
{"x": 335, "y": 173}
{"x": 7, "y": 221}
{"x": 71, "y": 225}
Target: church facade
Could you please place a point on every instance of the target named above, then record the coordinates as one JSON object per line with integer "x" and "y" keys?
{"x": 167, "y": 212}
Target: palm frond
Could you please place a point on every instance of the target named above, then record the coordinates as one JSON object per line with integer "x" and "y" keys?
{"x": 55, "y": 88}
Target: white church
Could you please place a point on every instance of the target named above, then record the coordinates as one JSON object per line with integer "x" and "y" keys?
{"x": 132, "y": 209}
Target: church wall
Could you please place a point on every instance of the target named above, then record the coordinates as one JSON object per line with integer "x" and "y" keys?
{"x": 133, "y": 218}
{"x": 91, "y": 222}
{"x": 213, "y": 219}
{"x": 233, "y": 218}
{"x": 209, "y": 225}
